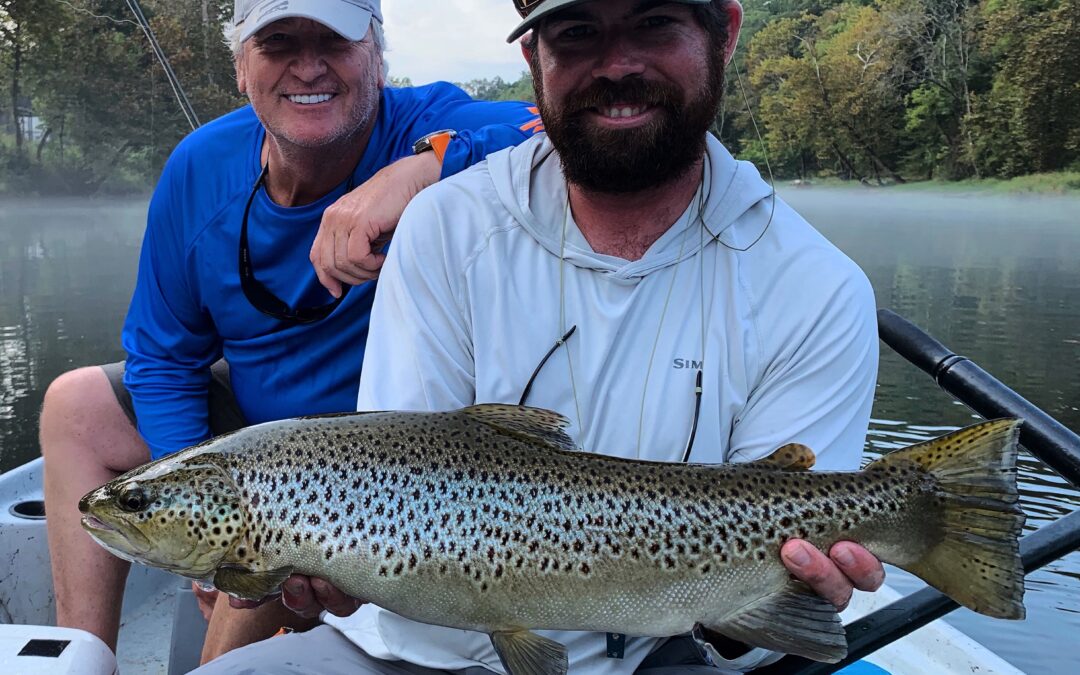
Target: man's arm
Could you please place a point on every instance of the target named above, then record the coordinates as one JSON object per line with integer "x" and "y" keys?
{"x": 817, "y": 384}
{"x": 169, "y": 340}
{"x": 819, "y": 391}
{"x": 420, "y": 340}
{"x": 354, "y": 230}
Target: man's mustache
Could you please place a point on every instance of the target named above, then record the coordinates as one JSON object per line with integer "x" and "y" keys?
{"x": 605, "y": 93}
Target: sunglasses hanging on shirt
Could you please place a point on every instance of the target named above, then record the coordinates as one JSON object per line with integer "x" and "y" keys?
{"x": 261, "y": 297}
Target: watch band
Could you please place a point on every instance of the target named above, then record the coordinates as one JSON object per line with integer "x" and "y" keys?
{"x": 436, "y": 141}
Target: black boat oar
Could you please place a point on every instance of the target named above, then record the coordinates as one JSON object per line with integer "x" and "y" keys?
{"x": 878, "y": 629}
{"x": 1042, "y": 435}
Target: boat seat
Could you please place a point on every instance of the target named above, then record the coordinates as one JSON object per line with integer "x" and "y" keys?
{"x": 188, "y": 633}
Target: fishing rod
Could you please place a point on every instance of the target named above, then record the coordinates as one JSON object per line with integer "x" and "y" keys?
{"x": 174, "y": 82}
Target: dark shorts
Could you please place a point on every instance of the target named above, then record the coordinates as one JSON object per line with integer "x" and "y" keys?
{"x": 225, "y": 415}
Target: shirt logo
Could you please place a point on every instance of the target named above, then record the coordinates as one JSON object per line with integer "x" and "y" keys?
{"x": 535, "y": 125}
{"x": 680, "y": 364}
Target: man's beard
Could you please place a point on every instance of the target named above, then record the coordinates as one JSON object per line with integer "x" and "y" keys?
{"x": 629, "y": 160}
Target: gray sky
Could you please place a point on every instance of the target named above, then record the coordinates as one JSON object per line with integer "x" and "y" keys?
{"x": 454, "y": 40}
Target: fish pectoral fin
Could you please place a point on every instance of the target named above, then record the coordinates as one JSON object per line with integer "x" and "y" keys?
{"x": 793, "y": 621}
{"x": 525, "y": 653}
{"x": 790, "y": 457}
{"x": 243, "y": 583}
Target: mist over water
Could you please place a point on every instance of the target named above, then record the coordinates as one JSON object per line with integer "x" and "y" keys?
{"x": 996, "y": 278}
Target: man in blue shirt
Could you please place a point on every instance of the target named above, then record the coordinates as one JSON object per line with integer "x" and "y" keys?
{"x": 225, "y": 272}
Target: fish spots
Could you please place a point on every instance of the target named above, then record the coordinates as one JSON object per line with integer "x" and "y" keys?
{"x": 449, "y": 496}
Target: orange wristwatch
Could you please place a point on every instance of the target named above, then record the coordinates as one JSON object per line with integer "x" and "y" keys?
{"x": 436, "y": 141}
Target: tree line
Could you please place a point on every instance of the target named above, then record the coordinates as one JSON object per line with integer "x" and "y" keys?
{"x": 894, "y": 90}
{"x": 104, "y": 116}
{"x": 871, "y": 90}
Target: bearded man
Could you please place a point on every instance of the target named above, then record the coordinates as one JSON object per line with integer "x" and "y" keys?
{"x": 688, "y": 313}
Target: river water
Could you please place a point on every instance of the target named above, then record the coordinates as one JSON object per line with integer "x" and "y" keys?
{"x": 996, "y": 278}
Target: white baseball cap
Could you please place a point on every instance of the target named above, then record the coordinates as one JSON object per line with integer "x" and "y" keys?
{"x": 348, "y": 18}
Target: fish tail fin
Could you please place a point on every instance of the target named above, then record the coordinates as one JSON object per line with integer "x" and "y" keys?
{"x": 977, "y": 560}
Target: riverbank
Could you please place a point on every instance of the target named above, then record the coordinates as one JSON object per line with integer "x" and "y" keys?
{"x": 1056, "y": 183}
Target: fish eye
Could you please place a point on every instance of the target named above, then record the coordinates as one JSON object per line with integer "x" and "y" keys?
{"x": 133, "y": 499}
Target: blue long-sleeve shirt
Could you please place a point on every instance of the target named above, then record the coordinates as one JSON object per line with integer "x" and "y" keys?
{"x": 188, "y": 309}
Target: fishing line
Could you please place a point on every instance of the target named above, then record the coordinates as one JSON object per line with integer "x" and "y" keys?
{"x": 174, "y": 82}
{"x": 707, "y": 179}
{"x": 562, "y": 307}
{"x": 87, "y": 12}
{"x": 144, "y": 25}
{"x": 660, "y": 326}
{"x": 768, "y": 168}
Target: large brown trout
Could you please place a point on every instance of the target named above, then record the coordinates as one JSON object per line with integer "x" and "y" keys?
{"x": 486, "y": 519}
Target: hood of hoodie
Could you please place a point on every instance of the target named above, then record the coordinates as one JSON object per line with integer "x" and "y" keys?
{"x": 736, "y": 205}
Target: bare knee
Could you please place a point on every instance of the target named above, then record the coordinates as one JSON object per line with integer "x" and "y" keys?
{"x": 76, "y": 400}
{"x": 81, "y": 415}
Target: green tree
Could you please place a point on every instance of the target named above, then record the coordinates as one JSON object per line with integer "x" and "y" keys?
{"x": 498, "y": 89}
{"x": 22, "y": 25}
{"x": 830, "y": 92}
{"x": 88, "y": 70}
{"x": 1029, "y": 118}
{"x": 940, "y": 38}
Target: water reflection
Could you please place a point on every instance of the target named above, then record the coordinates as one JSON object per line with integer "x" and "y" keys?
{"x": 66, "y": 273}
{"x": 995, "y": 278}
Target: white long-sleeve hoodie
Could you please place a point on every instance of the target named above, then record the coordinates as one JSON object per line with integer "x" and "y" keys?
{"x": 469, "y": 301}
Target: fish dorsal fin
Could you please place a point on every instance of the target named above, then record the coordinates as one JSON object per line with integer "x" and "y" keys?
{"x": 793, "y": 621}
{"x": 533, "y": 425}
{"x": 791, "y": 457}
{"x": 525, "y": 653}
{"x": 336, "y": 415}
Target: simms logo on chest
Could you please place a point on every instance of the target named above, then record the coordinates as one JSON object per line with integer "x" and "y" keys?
{"x": 679, "y": 364}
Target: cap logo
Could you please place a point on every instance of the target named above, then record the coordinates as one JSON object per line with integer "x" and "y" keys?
{"x": 272, "y": 6}
{"x": 526, "y": 7}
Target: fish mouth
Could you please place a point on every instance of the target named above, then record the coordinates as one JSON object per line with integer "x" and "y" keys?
{"x": 95, "y": 523}
{"x": 115, "y": 536}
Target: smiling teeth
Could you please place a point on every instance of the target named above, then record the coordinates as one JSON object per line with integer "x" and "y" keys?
{"x": 623, "y": 111}
{"x": 309, "y": 99}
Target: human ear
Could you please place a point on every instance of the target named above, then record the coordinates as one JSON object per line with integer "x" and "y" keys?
{"x": 241, "y": 74}
{"x": 735, "y": 17}
{"x": 526, "y": 51}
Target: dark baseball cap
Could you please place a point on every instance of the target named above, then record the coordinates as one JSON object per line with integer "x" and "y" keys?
{"x": 532, "y": 11}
